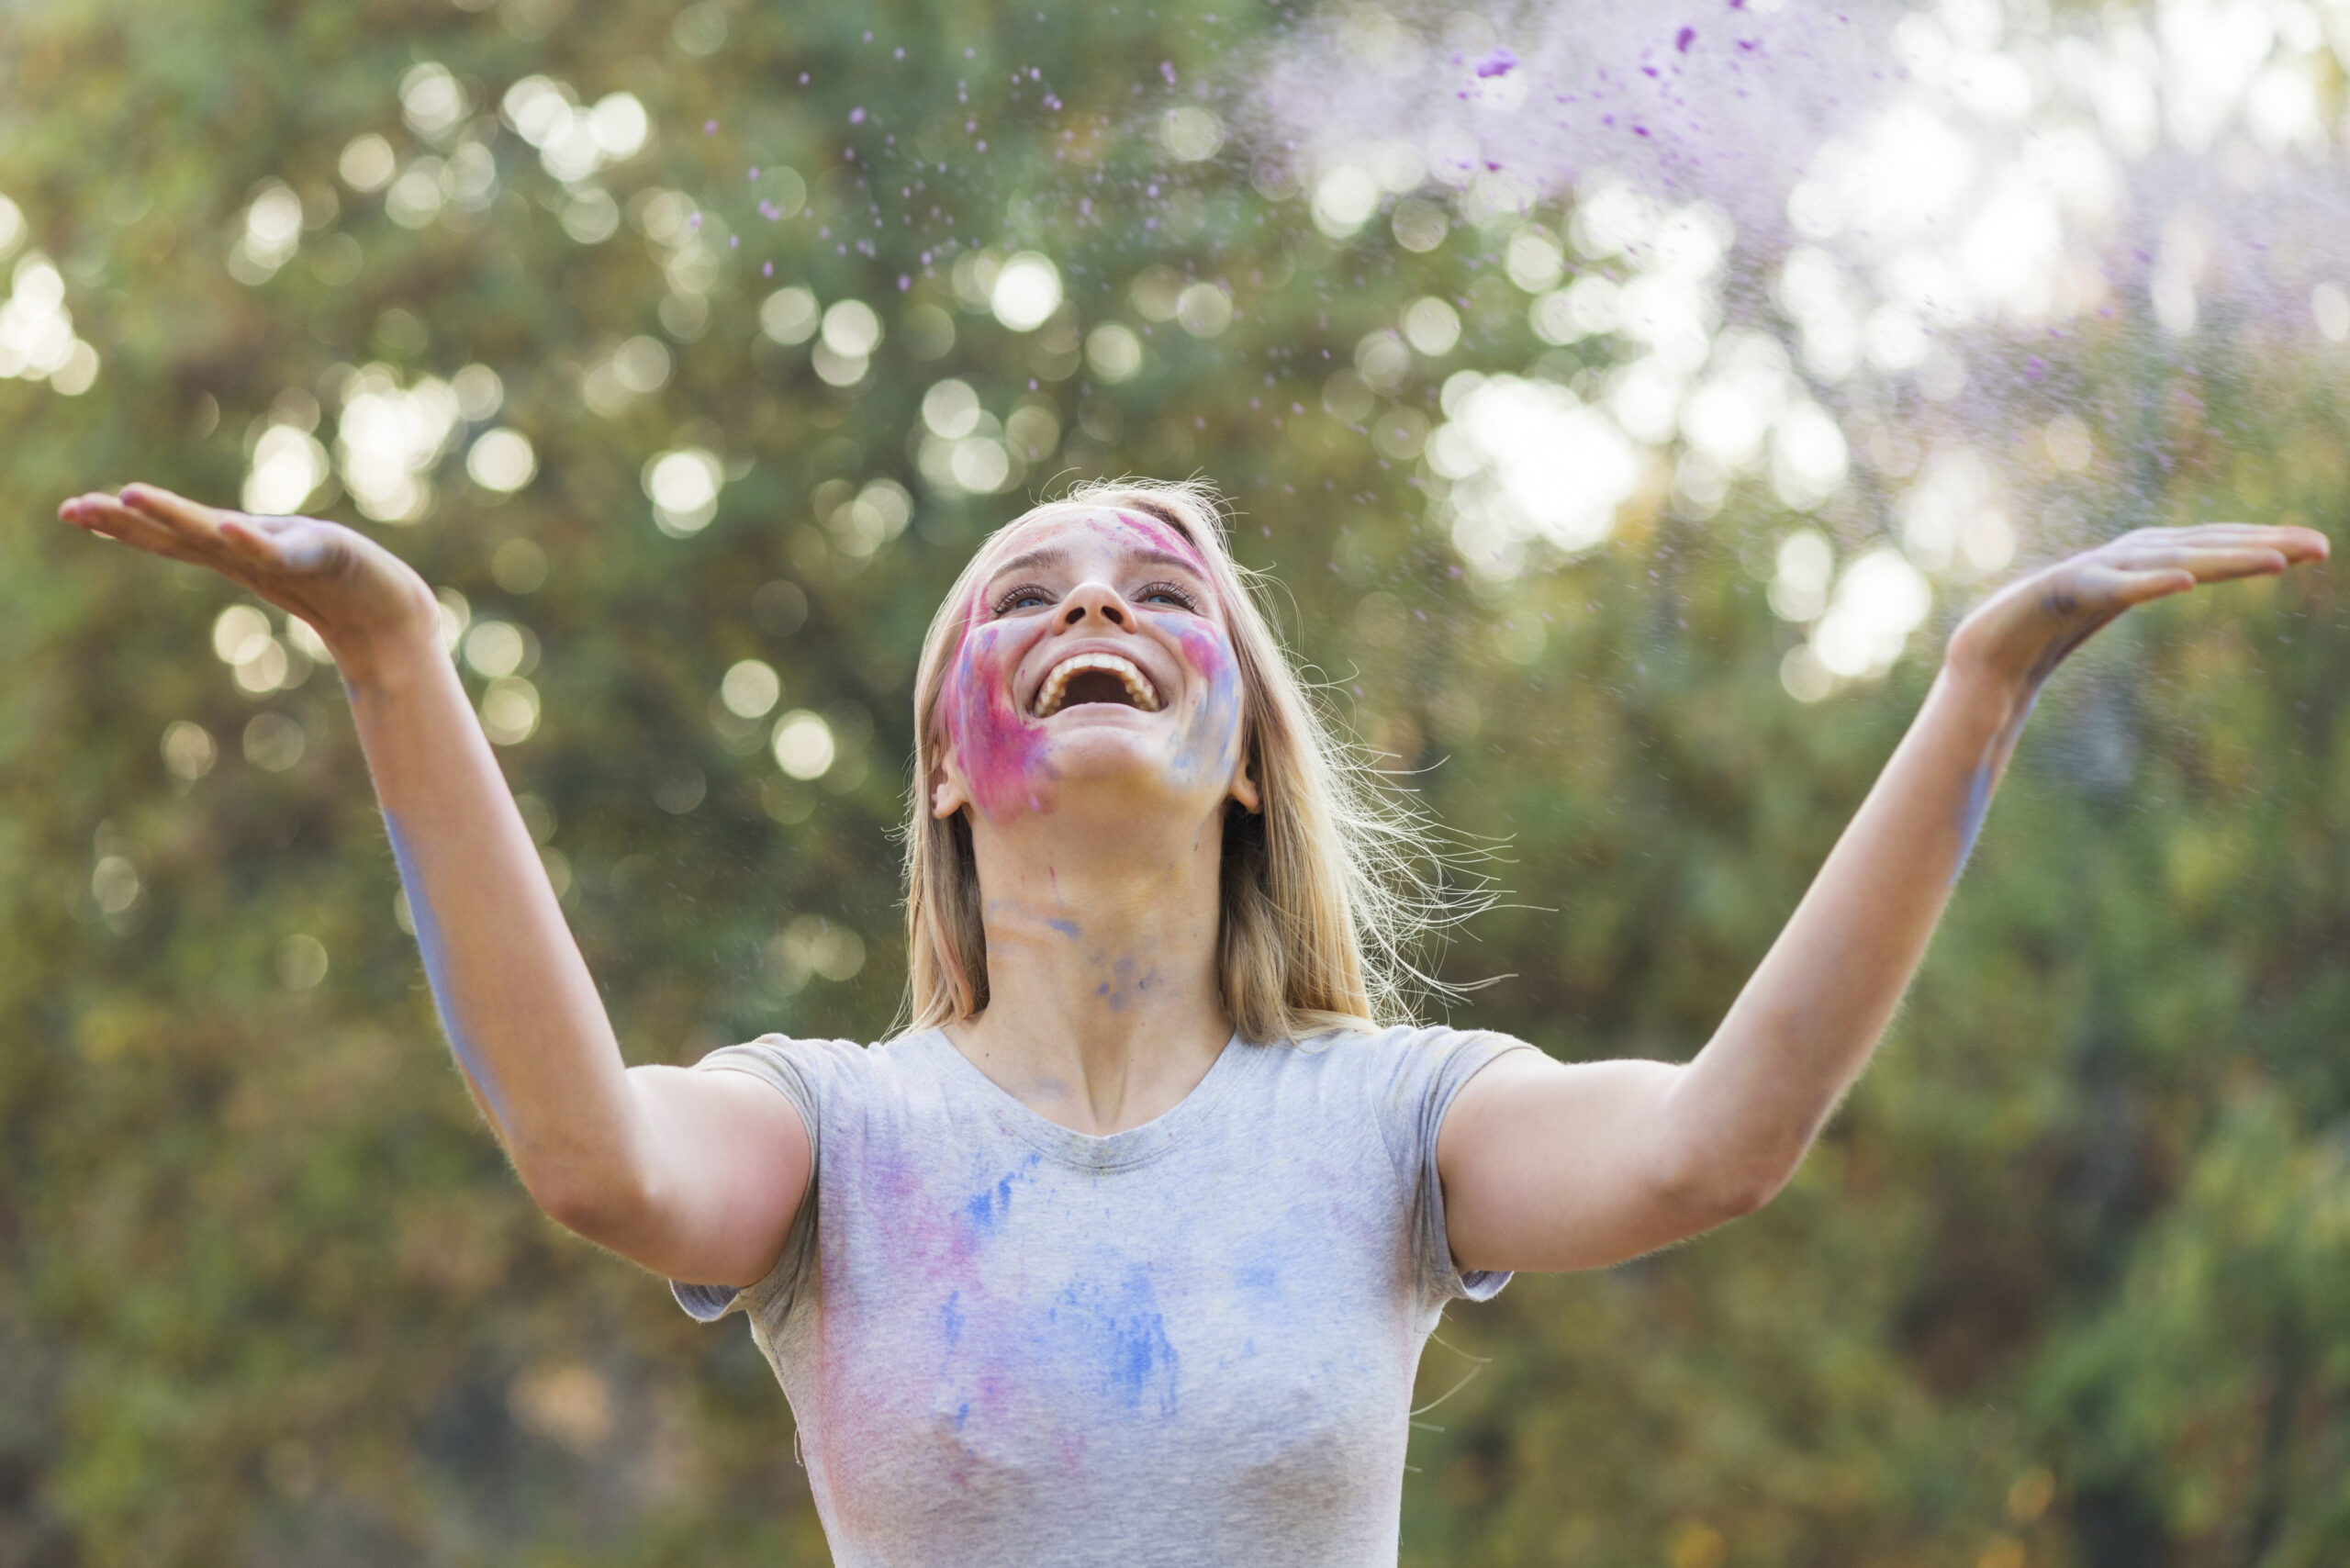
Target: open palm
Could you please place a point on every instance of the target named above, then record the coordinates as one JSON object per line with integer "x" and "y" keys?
{"x": 2022, "y": 632}
{"x": 350, "y": 590}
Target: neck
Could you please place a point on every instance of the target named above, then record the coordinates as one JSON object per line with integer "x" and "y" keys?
{"x": 1104, "y": 1009}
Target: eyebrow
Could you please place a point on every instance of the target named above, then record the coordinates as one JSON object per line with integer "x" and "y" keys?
{"x": 1055, "y": 557}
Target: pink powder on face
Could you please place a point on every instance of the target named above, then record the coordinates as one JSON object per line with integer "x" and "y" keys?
{"x": 1003, "y": 751}
{"x": 1211, "y": 738}
{"x": 1000, "y": 750}
{"x": 1161, "y": 537}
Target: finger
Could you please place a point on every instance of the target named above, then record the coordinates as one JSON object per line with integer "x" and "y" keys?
{"x": 290, "y": 545}
{"x": 2303, "y": 545}
{"x": 2210, "y": 563}
{"x": 103, "y": 515}
{"x": 2293, "y": 543}
{"x": 246, "y": 538}
{"x": 2131, "y": 589}
{"x": 164, "y": 506}
{"x": 193, "y": 520}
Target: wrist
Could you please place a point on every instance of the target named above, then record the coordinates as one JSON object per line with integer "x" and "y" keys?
{"x": 388, "y": 655}
{"x": 1986, "y": 701}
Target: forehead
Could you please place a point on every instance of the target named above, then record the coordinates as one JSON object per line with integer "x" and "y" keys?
{"x": 1092, "y": 531}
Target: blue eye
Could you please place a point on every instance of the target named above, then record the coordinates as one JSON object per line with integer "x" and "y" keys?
{"x": 1169, "y": 594}
{"x": 1025, "y": 596}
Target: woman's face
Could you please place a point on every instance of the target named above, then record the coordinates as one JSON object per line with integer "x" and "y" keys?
{"x": 1094, "y": 655}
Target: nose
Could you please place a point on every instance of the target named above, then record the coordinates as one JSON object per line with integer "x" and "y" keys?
{"x": 1094, "y": 601}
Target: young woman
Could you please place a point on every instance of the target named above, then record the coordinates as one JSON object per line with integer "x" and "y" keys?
{"x": 1125, "y": 1250}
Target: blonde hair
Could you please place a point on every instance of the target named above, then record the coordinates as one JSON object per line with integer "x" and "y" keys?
{"x": 1328, "y": 890}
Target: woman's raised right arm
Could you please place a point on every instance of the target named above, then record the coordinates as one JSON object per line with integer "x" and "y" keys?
{"x": 694, "y": 1175}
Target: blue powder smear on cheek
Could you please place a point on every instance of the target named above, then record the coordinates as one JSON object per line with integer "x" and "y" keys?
{"x": 436, "y": 971}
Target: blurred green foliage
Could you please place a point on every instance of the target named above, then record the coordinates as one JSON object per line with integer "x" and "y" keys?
{"x": 2063, "y": 1284}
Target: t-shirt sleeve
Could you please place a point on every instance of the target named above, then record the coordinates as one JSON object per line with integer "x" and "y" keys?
{"x": 796, "y": 1069}
{"x": 1431, "y": 1067}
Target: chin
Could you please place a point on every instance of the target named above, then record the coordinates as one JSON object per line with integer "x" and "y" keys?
{"x": 1110, "y": 762}
{"x": 1097, "y": 753}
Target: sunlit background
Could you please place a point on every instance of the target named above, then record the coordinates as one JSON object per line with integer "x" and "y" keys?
{"x": 1624, "y": 401}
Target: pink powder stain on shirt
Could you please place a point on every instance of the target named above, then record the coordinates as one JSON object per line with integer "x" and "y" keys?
{"x": 941, "y": 1236}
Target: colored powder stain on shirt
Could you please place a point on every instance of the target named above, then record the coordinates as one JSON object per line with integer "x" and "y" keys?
{"x": 987, "y": 1208}
{"x": 1192, "y": 1341}
{"x": 1121, "y": 1332}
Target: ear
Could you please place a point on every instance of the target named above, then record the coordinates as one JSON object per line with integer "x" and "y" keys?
{"x": 1244, "y": 785}
{"x": 947, "y": 794}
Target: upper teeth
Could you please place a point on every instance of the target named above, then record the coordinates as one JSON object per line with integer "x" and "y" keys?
{"x": 1138, "y": 686}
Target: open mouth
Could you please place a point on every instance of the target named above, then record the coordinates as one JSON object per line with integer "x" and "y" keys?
{"x": 1095, "y": 677}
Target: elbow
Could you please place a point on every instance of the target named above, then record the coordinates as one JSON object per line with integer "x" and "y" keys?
{"x": 1726, "y": 1189}
{"x": 1741, "y": 1195}
{"x": 590, "y": 1204}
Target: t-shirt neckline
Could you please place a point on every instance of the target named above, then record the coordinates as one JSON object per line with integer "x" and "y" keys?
{"x": 1113, "y": 1151}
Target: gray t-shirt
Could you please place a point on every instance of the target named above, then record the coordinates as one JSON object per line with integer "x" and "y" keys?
{"x": 1013, "y": 1345}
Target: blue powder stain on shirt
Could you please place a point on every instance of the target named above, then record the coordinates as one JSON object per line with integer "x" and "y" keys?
{"x": 1125, "y": 1331}
{"x": 990, "y": 1205}
{"x": 1142, "y": 1349}
{"x": 1262, "y": 1281}
{"x": 436, "y": 971}
{"x": 950, "y": 1321}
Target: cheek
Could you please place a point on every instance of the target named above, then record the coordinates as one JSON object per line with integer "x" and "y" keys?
{"x": 980, "y": 705}
{"x": 1001, "y": 754}
{"x": 1214, "y": 720}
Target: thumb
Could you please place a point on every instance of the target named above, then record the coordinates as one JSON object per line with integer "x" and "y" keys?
{"x": 2131, "y": 588}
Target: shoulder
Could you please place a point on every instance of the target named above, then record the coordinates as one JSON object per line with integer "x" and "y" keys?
{"x": 814, "y": 1072}
{"x": 1402, "y": 1072}
{"x": 1407, "y": 1049}
{"x": 770, "y": 1054}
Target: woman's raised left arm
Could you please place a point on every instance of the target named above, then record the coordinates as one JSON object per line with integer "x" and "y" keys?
{"x": 1554, "y": 1166}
